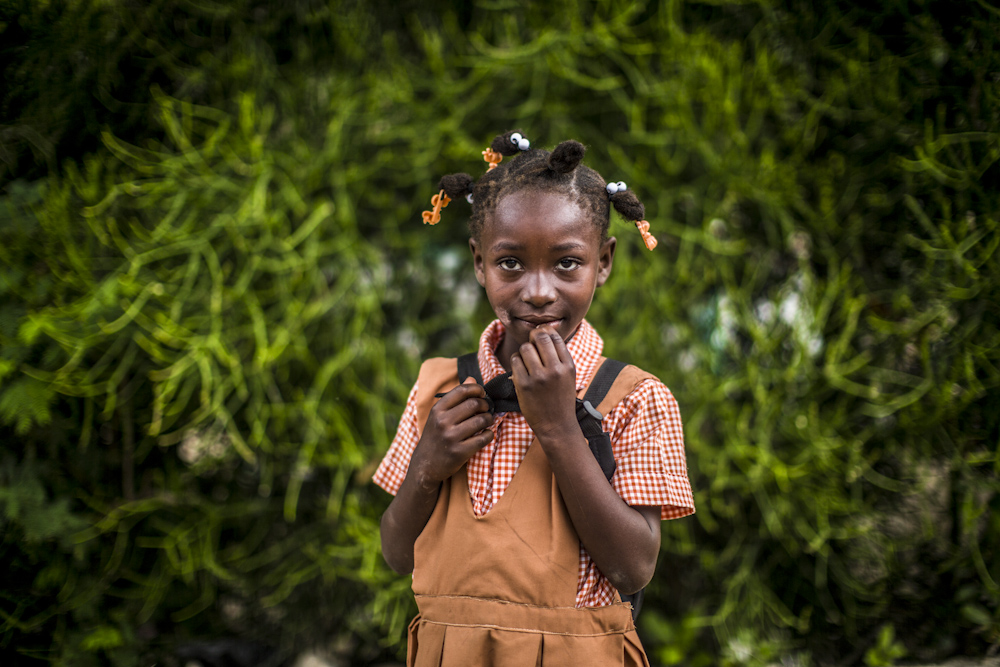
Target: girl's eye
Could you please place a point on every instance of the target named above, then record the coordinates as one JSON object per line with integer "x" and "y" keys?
{"x": 510, "y": 264}
{"x": 569, "y": 264}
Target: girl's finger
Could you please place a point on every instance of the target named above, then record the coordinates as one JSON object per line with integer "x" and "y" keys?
{"x": 560, "y": 346}
{"x": 468, "y": 409}
{"x": 517, "y": 368}
{"x": 544, "y": 341}
{"x": 470, "y": 427}
{"x": 477, "y": 441}
{"x": 460, "y": 393}
{"x": 529, "y": 356}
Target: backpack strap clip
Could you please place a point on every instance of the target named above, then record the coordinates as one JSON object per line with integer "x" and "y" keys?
{"x": 587, "y": 410}
{"x": 599, "y": 441}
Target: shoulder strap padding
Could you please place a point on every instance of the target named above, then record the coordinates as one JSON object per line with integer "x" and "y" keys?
{"x": 437, "y": 376}
{"x": 602, "y": 381}
{"x": 623, "y": 382}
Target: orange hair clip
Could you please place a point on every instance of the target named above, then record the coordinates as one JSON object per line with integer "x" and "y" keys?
{"x": 647, "y": 238}
{"x": 438, "y": 201}
{"x": 492, "y": 157}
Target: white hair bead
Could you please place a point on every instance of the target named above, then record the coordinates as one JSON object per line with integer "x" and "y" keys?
{"x": 622, "y": 187}
{"x": 612, "y": 188}
{"x": 468, "y": 197}
{"x": 520, "y": 141}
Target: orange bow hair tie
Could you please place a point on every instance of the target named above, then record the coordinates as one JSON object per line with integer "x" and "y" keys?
{"x": 492, "y": 157}
{"x": 647, "y": 238}
{"x": 438, "y": 201}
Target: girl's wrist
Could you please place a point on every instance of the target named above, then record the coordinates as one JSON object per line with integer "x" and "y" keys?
{"x": 429, "y": 486}
{"x": 424, "y": 483}
{"x": 567, "y": 434}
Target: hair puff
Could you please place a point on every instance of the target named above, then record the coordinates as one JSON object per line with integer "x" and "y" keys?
{"x": 628, "y": 205}
{"x": 501, "y": 144}
{"x": 566, "y": 156}
{"x": 456, "y": 185}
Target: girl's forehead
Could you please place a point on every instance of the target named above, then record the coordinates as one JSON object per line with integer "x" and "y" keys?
{"x": 540, "y": 215}
{"x": 534, "y": 199}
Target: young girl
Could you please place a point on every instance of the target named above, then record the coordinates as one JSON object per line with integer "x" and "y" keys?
{"x": 519, "y": 546}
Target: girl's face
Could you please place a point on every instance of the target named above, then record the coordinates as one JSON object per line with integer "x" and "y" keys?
{"x": 540, "y": 259}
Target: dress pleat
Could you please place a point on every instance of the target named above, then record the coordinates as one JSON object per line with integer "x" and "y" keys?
{"x": 430, "y": 638}
{"x": 562, "y": 651}
{"x": 634, "y": 655}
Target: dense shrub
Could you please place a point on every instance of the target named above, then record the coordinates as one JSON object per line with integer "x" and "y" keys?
{"x": 216, "y": 289}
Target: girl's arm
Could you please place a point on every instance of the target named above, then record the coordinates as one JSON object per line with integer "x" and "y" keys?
{"x": 624, "y": 541}
{"x": 457, "y": 427}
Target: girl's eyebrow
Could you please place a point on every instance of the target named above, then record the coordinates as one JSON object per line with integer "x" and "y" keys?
{"x": 569, "y": 245}
{"x": 514, "y": 246}
{"x": 507, "y": 245}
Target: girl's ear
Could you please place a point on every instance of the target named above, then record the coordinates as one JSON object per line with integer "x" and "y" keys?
{"x": 477, "y": 261}
{"x": 606, "y": 259}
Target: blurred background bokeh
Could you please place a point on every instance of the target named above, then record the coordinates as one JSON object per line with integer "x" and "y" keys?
{"x": 215, "y": 291}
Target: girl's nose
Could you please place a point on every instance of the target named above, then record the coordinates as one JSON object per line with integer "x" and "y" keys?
{"x": 539, "y": 289}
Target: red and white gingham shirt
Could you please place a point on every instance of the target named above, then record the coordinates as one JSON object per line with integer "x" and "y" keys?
{"x": 646, "y": 437}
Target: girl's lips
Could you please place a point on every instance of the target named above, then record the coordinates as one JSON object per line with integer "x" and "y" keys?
{"x": 535, "y": 325}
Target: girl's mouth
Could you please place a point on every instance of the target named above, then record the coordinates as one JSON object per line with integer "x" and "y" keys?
{"x": 552, "y": 323}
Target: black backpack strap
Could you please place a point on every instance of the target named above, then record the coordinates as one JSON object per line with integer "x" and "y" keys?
{"x": 636, "y": 601}
{"x": 590, "y": 418}
{"x": 600, "y": 442}
{"x": 603, "y": 379}
{"x": 586, "y": 414}
{"x": 468, "y": 366}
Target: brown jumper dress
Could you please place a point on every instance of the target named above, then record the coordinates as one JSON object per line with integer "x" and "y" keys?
{"x": 500, "y": 589}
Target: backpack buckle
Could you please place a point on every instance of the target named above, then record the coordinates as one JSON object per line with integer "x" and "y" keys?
{"x": 586, "y": 409}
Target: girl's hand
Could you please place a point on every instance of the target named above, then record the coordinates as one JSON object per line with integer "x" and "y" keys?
{"x": 545, "y": 378}
{"x": 457, "y": 427}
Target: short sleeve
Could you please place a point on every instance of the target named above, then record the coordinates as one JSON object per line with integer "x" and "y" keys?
{"x": 648, "y": 442}
{"x": 392, "y": 470}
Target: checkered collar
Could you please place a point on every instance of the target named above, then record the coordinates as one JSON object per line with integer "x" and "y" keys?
{"x": 585, "y": 347}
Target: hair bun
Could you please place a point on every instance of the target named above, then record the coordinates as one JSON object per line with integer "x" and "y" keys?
{"x": 566, "y": 156}
{"x": 456, "y": 185}
{"x": 503, "y": 145}
{"x": 628, "y": 205}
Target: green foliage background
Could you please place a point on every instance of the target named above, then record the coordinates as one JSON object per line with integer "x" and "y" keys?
{"x": 216, "y": 290}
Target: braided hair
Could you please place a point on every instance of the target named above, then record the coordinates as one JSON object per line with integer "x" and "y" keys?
{"x": 558, "y": 171}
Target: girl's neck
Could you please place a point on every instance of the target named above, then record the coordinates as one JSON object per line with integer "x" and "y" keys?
{"x": 503, "y": 354}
